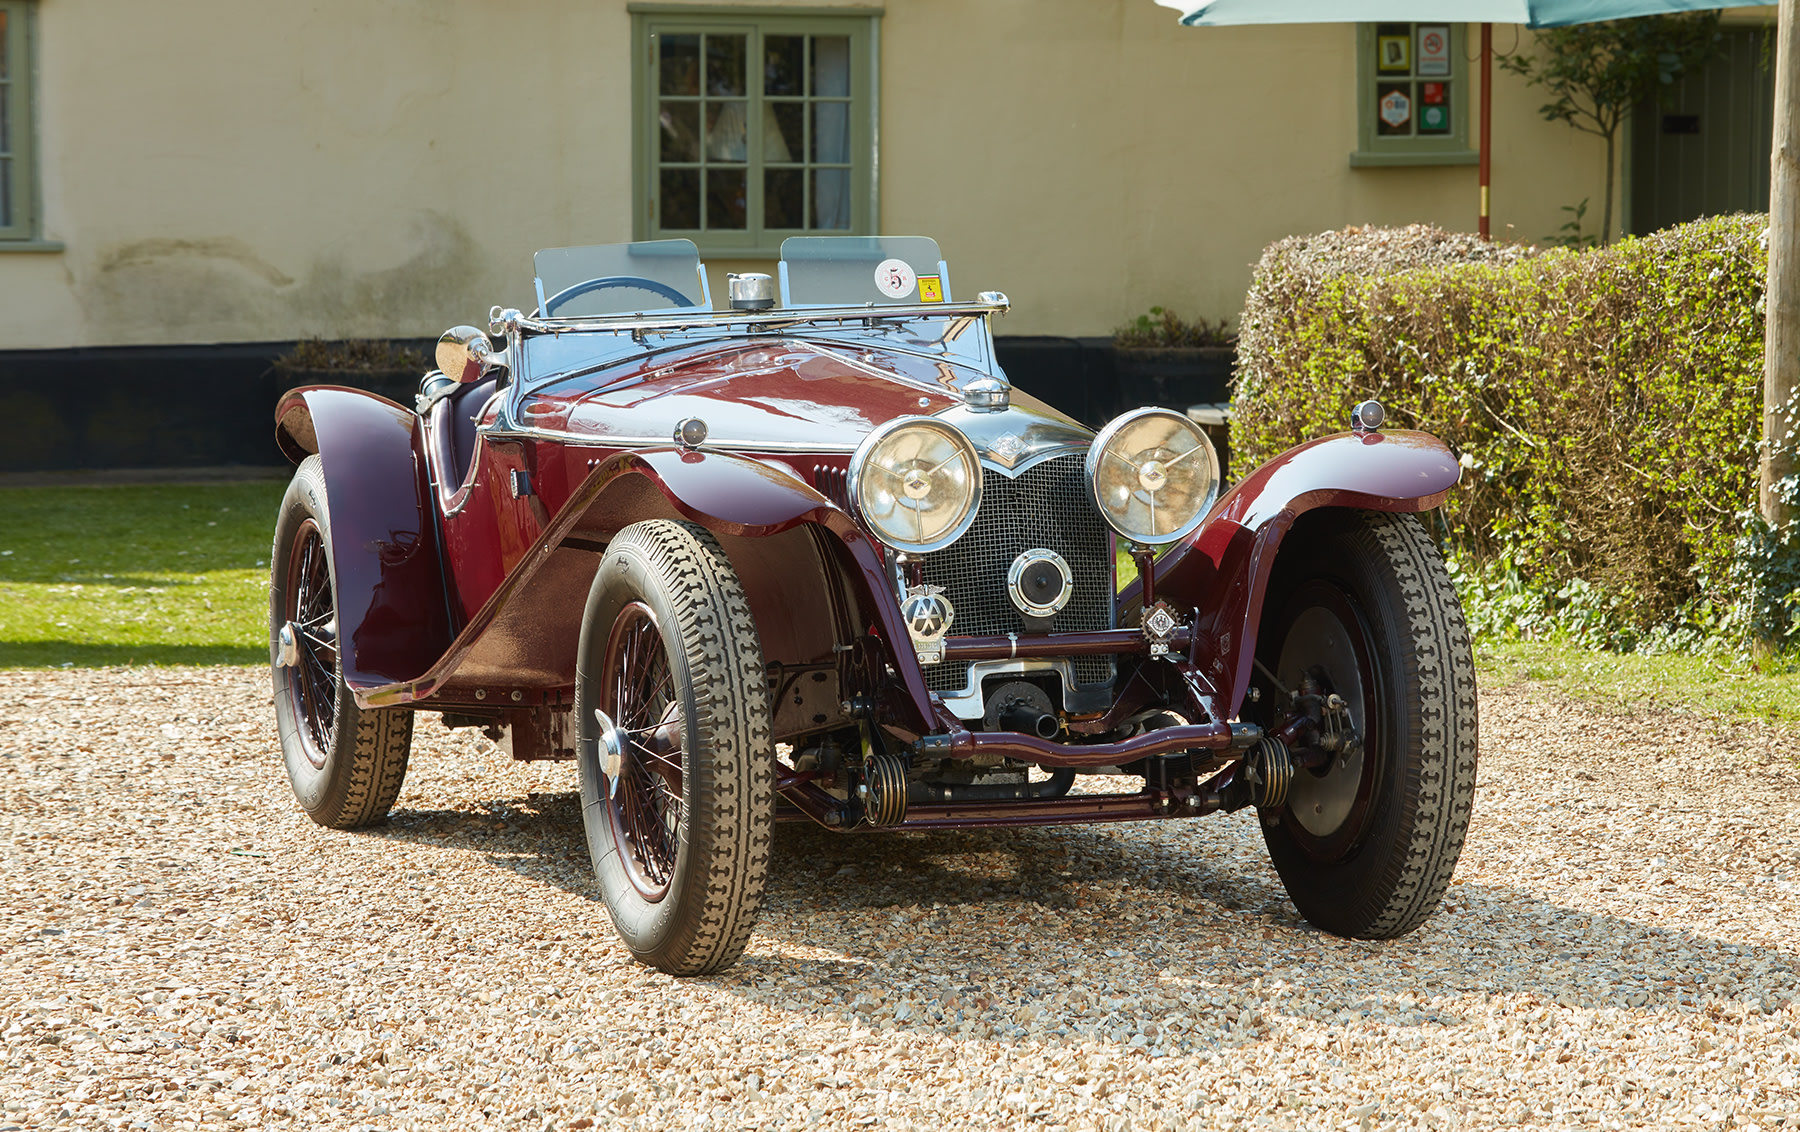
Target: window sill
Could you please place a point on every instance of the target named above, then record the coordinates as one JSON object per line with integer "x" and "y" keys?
{"x": 1364, "y": 159}
{"x": 716, "y": 253}
{"x": 859, "y": 8}
{"x": 31, "y": 246}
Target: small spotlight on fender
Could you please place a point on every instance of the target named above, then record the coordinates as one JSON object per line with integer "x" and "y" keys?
{"x": 1367, "y": 416}
{"x": 691, "y": 432}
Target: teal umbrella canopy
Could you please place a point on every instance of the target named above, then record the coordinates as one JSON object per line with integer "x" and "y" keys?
{"x": 1532, "y": 13}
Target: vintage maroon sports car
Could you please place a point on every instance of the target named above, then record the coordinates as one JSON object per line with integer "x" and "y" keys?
{"x": 817, "y": 559}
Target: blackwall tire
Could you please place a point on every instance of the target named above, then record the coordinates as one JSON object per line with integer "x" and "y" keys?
{"x": 1366, "y": 845}
{"x": 675, "y": 758}
{"x": 345, "y": 763}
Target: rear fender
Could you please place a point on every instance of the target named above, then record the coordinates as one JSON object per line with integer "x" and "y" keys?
{"x": 1223, "y": 569}
{"x": 386, "y": 560}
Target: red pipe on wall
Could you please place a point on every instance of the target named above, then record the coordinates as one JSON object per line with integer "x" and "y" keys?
{"x": 1487, "y": 122}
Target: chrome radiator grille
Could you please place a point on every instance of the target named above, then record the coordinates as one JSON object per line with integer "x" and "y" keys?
{"x": 1047, "y": 506}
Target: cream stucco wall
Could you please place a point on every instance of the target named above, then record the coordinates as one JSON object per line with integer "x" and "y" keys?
{"x": 1117, "y": 160}
{"x": 251, "y": 170}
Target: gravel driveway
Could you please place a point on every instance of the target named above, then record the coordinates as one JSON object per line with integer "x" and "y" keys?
{"x": 180, "y": 947}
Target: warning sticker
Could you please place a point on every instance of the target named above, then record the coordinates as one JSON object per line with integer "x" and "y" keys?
{"x": 1434, "y": 49}
{"x": 895, "y": 279}
{"x": 931, "y": 289}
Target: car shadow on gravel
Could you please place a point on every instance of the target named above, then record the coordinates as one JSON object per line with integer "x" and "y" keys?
{"x": 538, "y": 836}
{"x": 992, "y": 929}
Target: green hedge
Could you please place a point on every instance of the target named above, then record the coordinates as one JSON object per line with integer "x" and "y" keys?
{"x": 1606, "y": 403}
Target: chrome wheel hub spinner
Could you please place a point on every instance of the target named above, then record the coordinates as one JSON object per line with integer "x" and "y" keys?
{"x": 287, "y": 652}
{"x": 612, "y": 746}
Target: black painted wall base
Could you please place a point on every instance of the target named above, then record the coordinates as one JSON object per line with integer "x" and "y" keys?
{"x": 195, "y": 406}
{"x": 147, "y": 406}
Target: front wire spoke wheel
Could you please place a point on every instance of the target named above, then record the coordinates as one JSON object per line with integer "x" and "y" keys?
{"x": 646, "y": 798}
{"x": 676, "y": 762}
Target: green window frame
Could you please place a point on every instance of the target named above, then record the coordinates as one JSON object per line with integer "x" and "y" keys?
{"x": 18, "y": 174}
{"x": 1412, "y": 95}
{"x": 751, "y": 125}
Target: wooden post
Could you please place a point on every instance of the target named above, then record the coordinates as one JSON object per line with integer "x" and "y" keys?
{"x": 1781, "y": 349}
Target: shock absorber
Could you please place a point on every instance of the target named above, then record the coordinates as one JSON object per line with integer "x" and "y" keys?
{"x": 883, "y": 788}
{"x": 1269, "y": 769}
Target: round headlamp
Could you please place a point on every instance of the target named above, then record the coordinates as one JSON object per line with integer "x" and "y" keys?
{"x": 1153, "y": 474}
{"x": 916, "y": 482}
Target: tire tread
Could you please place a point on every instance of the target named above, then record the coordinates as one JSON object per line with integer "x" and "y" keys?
{"x": 1438, "y": 654}
{"x": 1399, "y": 874}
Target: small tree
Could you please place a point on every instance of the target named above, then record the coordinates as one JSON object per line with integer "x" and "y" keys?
{"x": 1598, "y": 72}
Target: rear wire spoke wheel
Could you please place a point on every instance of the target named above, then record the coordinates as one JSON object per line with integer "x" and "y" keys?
{"x": 675, "y": 756}
{"x": 345, "y": 763}
{"x": 1361, "y": 605}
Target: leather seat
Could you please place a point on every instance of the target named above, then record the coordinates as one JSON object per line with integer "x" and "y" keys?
{"x": 452, "y": 431}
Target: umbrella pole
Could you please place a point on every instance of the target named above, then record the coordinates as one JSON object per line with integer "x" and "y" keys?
{"x": 1487, "y": 120}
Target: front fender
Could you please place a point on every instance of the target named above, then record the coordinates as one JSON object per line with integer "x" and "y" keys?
{"x": 726, "y": 494}
{"x": 737, "y": 497}
{"x": 1223, "y": 569}
{"x": 734, "y": 497}
{"x": 386, "y": 562}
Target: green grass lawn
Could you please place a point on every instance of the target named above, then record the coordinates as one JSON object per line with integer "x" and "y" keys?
{"x": 160, "y": 574}
{"x": 1728, "y": 688}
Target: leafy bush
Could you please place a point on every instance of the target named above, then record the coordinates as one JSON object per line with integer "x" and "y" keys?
{"x": 366, "y": 355}
{"x": 1606, "y": 405}
{"x": 1164, "y": 328}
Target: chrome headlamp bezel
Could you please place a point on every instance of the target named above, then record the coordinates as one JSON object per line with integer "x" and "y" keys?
{"x": 1203, "y": 451}
{"x": 872, "y": 444}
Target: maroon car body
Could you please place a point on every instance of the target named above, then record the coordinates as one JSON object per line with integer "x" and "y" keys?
{"x": 465, "y": 537}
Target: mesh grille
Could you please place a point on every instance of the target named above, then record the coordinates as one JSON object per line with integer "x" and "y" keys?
{"x": 1047, "y": 506}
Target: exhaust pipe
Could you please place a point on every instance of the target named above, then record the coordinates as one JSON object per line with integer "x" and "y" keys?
{"x": 1022, "y": 716}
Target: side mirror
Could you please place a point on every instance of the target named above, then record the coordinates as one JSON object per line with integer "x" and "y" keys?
{"x": 464, "y": 354}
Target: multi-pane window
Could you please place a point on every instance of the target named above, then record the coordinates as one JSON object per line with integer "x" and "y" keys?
{"x": 15, "y": 124}
{"x": 1412, "y": 86}
{"x": 751, "y": 132}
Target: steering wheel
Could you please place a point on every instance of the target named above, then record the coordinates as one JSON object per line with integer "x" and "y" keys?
{"x": 608, "y": 282}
